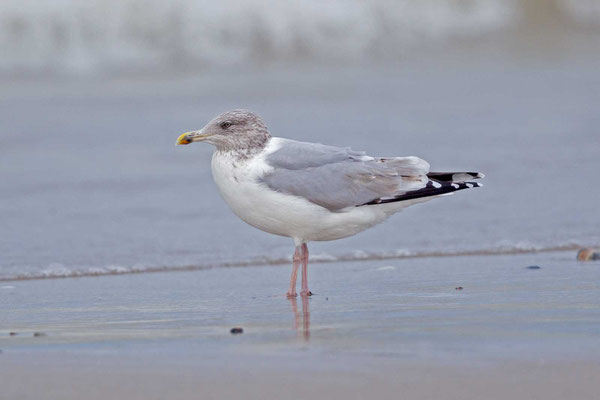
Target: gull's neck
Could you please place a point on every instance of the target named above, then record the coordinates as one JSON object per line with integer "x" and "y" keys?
{"x": 245, "y": 153}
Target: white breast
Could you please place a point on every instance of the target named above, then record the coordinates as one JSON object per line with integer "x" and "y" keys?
{"x": 282, "y": 214}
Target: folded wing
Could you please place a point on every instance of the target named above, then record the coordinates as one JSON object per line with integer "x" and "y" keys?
{"x": 337, "y": 178}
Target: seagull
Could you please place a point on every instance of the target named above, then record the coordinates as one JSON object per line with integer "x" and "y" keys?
{"x": 310, "y": 191}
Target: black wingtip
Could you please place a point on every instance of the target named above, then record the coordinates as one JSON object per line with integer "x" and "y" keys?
{"x": 433, "y": 188}
{"x": 454, "y": 176}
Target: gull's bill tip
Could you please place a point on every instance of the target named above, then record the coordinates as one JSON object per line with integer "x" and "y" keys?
{"x": 183, "y": 139}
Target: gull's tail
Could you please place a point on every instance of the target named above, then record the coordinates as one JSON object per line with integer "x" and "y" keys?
{"x": 440, "y": 183}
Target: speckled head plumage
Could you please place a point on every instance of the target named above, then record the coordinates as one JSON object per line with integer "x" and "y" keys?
{"x": 241, "y": 131}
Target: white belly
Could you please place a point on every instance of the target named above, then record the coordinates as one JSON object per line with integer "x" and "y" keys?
{"x": 283, "y": 214}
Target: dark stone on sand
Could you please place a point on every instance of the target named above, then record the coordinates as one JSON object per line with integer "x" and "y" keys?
{"x": 39, "y": 334}
{"x": 458, "y": 288}
{"x": 534, "y": 267}
{"x": 588, "y": 254}
{"x": 12, "y": 334}
{"x": 236, "y": 331}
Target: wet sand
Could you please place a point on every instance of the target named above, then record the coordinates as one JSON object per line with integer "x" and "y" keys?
{"x": 91, "y": 380}
{"x": 390, "y": 328}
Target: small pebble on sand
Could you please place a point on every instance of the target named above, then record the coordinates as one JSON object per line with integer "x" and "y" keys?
{"x": 236, "y": 331}
{"x": 534, "y": 267}
{"x": 39, "y": 334}
{"x": 588, "y": 254}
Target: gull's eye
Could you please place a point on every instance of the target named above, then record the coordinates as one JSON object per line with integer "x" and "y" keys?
{"x": 225, "y": 124}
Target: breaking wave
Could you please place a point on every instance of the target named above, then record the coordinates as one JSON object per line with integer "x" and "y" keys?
{"x": 59, "y": 271}
{"x": 100, "y": 36}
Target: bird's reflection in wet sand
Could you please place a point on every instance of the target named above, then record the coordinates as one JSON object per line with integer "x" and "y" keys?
{"x": 305, "y": 316}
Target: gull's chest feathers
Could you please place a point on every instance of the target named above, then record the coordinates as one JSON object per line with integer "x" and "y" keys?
{"x": 238, "y": 180}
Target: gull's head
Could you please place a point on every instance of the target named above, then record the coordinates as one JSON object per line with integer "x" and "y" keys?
{"x": 240, "y": 130}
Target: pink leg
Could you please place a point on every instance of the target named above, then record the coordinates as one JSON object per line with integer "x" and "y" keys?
{"x": 297, "y": 259}
{"x": 305, "y": 291}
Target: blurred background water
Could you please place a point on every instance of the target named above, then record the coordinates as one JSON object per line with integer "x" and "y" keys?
{"x": 94, "y": 93}
{"x": 75, "y": 37}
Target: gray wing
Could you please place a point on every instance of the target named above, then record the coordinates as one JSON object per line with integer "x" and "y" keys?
{"x": 336, "y": 178}
{"x": 296, "y": 155}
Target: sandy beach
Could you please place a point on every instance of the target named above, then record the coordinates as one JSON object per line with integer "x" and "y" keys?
{"x": 377, "y": 328}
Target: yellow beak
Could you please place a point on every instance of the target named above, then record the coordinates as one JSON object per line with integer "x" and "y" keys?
{"x": 184, "y": 138}
{"x": 193, "y": 136}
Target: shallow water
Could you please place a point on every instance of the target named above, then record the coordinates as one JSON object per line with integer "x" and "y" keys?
{"x": 92, "y": 181}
